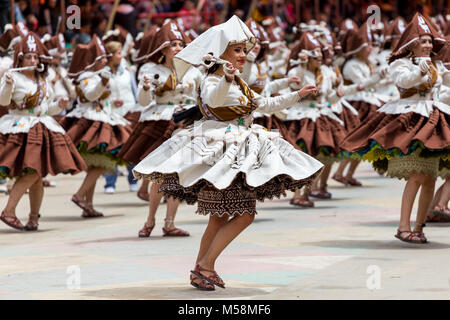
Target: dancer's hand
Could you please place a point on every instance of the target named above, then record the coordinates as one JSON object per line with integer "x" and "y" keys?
{"x": 340, "y": 92}
{"x": 229, "y": 71}
{"x": 9, "y": 78}
{"x": 147, "y": 82}
{"x": 307, "y": 90}
{"x": 424, "y": 66}
{"x": 295, "y": 80}
{"x": 118, "y": 102}
{"x": 63, "y": 103}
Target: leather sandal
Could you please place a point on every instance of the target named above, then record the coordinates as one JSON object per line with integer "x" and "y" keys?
{"x": 176, "y": 232}
{"x": 320, "y": 194}
{"x": 353, "y": 182}
{"x": 436, "y": 218}
{"x": 340, "y": 179}
{"x": 13, "y": 222}
{"x": 32, "y": 224}
{"x": 300, "y": 202}
{"x": 213, "y": 279}
{"x": 80, "y": 203}
{"x": 199, "y": 283}
{"x": 146, "y": 231}
{"x": 441, "y": 212}
{"x": 410, "y": 237}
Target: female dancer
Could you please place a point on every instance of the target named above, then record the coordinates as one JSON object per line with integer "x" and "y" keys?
{"x": 32, "y": 144}
{"x": 98, "y": 132}
{"x": 255, "y": 73}
{"x": 123, "y": 99}
{"x": 357, "y": 70}
{"x": 334, "y": 91}
{"x": 311, "y": 124}
{"x": 156, "y": 125}
{"x": 224, "y": 162}
{"x": 409, "y": 137}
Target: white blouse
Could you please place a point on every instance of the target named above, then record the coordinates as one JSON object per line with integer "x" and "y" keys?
{"x": 22, "y": 120}
{"x": 92, "y": 88}
{"x": 408, "y": 75}
{"x": 182, "y": 98}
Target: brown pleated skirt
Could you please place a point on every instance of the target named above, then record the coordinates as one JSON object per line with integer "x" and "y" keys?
{"x": 95, "y": 133}
{"x": 146, "y": 137}
{"x": 400, "y": 130}
{"x": 133, "y": 117}
{"x": 314, "y": 136}
{"x": 40, "y": 150}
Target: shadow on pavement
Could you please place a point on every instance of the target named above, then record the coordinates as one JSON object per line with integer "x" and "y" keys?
{"x": 174, "y": 292}
{"x": 123, "y": 204}
{"x": 377, "y": 244}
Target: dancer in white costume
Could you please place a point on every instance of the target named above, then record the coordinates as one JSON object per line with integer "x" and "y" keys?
{"x": 224, "y": 162}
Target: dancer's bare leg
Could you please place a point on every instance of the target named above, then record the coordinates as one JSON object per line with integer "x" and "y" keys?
{"x": 19, "y": 188}
{"x": 409, "y": 195}
{"x": 223, "y": 238}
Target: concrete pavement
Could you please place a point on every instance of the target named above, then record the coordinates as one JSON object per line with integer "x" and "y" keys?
{"x": 343, "y": 248}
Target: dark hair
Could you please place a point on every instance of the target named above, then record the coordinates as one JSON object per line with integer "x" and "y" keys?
{"x": 213, "y": 69}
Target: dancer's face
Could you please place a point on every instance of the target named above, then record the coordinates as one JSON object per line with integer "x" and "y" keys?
{"x": 30, "y": 59}
{"x": 116, "y": 57}
{"x": 423, "y": 47}
{"x": 256, "y": 49}
{"x": 174, "y": 47}
{"x": 236, "y": 54}
{"x": 314, "y": 63}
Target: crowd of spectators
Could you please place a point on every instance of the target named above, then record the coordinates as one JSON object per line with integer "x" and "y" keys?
{"x": 42, "y": 16}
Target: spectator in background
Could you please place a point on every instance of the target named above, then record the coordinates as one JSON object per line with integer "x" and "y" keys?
{"x": 188, "y": 21}
{"x": 4, "y": 13}
{"x": 49, "y": 14}
{"x": 126, "y": 17}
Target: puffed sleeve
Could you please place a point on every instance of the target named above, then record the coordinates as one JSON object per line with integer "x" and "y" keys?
{"x": 6, "y": 90}
{"x": 53, "y": 104}
{"x": 279, "y": 84}
{"x": 274, "y": 104}
{"x": 214, "y": 90}
{"x": 406, "y": 74}
{"x": 92, "y": 87}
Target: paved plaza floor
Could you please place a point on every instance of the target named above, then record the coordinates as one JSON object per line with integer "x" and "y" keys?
{"x": 343, "y": 248}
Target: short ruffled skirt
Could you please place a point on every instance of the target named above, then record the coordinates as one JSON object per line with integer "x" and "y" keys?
{"x": 403, "y": 144}
{"x": 98, "y": 142}
{"x": 226, "y": 168}
{"x": 146, "y": 137}
{"x": 365, "y": 110}
{"x": 320, "y": 139}
{"x": 273, "y": 123}
{"x": 40, "y": 150}
{"x": 133, "y": 118}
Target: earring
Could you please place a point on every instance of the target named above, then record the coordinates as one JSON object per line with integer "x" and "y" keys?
{"x": 161, "y": 58}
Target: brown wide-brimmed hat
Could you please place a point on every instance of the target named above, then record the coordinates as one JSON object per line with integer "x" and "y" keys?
{"x": 168, "y": 32}
{"x": 345, "y": 26}
{"x": 355, "y": 40}
{"x": 55, "y": 45}
{"x": 12, "y": 35}
{"x": 307, "y": 43}
{"x": 444, "y": 54}
{"x": 145, "y": 45}
{"x": 258, "y": 32}
{"x": 419, "y": 26}
{"x": 31, "y": 44}
{"x": 394, "y": 30}
{"x": 87, "y": 57}
{"x": 192, "y": 34}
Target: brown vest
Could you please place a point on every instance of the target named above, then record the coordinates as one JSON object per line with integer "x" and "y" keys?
{"x": 421, "y": 89}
